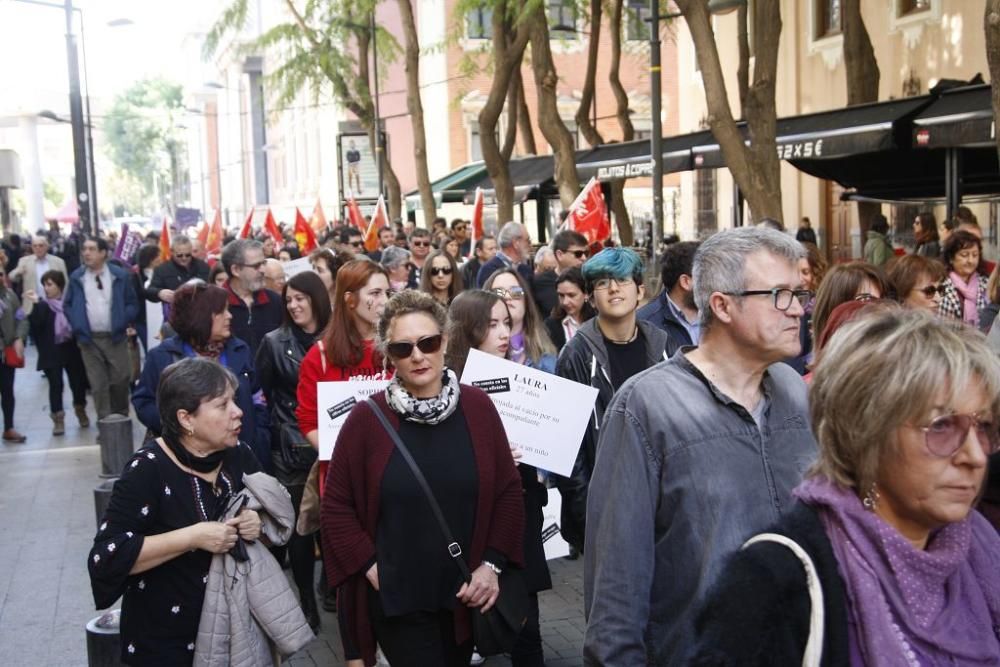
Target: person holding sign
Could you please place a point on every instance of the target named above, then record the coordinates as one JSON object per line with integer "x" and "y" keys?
{"x": 606, "y": 351}
{"x": 481, "y": 320}
{"x": 382, "y": 544}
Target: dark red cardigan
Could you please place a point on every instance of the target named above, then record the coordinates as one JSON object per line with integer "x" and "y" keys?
{"x": 350, "y": 507}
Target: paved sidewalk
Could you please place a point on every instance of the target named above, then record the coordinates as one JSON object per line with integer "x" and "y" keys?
{"x": 47, "y": 525}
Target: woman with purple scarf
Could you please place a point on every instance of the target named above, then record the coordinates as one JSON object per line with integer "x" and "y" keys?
{"x": 965, "y": 291}
{"x": 57, "y": 350}
{"x": 904, "y": 408}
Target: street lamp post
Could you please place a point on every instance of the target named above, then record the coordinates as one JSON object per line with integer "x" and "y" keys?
{"x": 379, "y": 148}
{"x": 81, "y": 170}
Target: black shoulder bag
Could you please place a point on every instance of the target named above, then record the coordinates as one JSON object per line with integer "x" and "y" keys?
{"x": 495, "y": 631}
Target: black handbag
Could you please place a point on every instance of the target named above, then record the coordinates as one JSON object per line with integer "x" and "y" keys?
{"x": 495, "y": 631}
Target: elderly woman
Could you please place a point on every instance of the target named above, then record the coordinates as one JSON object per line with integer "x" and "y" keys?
{"x": 440, "y": 277}
{"x": 965, "y": 288}
{"x": 200, "y": 317}
{"x": 916, "y": 282}
{"x": 157, "y": 538}
{"x": 396, "y": 262}
{"x": 906, "y": 569}
{"x": 382, "y": 543}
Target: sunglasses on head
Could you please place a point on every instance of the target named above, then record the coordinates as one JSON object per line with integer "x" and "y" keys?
{"x": 945, "y": 435}
{"x": 930, "y": 290}
{"x": 441, "y": 271}
{"x": 403, "y": 349}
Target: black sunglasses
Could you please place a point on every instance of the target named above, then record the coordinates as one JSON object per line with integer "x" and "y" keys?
{"x": 182, "y": 255}
{"x": 579, "y": 254}
{"x": 931, "y": 290}
{"x": 403, "y": 349}
{"x": 441, "y": 271}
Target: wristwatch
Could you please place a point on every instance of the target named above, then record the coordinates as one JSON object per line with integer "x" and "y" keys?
{"x": 496, "y": 570}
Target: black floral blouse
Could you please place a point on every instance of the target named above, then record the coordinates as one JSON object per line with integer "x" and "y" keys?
{"x": 161, "y": 607}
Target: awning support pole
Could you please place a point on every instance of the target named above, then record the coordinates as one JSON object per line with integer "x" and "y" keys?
{"x": 953, "y": 180}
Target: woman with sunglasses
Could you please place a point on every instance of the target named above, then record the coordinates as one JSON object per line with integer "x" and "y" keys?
{"x": 383, "y": 545}
{"x": 857, "y": 281}
{"x": 481, "y": 320}
{"x": 572, "y": 310}
{"x": 906, "y": 569}
{"x": 916, "y": 282}
{"x": 529, "y": 342}
{"x": 201, "y": 320}
{"x": 156, "y": 541}
{"x": 440, "y": 277}
{"x": 965, "y": 286}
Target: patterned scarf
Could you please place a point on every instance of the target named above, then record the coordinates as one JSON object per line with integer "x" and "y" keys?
{"x": 211, "y": 350}
{"x": 432, "y": 410}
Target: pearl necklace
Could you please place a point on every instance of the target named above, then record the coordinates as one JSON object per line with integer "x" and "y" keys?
{"x": 199, "y": 501}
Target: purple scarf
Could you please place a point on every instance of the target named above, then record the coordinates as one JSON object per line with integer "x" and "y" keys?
{"x": 969, "y": 291}
{"x": 63, "y": 331}
{"x": 908, "y": 607}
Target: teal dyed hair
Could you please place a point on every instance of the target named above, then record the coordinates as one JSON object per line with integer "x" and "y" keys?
{"x": 616, "y": 263}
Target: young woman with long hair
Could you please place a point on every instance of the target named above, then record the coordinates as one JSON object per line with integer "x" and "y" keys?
{"x": 529, "y": 342}
{"x": 572, "y": 310}
{"x": 440, "y": 277}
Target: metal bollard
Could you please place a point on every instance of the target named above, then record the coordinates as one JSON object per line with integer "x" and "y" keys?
{"x": 115, "y": 433}
{"x": 104, "y": 644}
{"x": 102, "y": 497}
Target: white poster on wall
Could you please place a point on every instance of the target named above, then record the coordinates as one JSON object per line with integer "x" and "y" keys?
{"x": 334, "y": 401}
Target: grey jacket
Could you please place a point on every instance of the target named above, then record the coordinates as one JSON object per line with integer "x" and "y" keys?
{"x": 683, "y": 477}
{"x": 250, "y": 613}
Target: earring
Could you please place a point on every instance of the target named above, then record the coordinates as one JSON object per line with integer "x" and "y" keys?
{"x": 870, "y": 501}
{"x": 190, "y": 432}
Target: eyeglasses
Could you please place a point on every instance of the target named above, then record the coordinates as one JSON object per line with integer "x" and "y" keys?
{"x": 944, "y": 435}
{"x": 460, "y": 228}
{"x": 441, "y": 271}
{"x": 930, "y": 290}
{"x": 865, "y": 297}
{"x": 579, "y": 254}
{"x": 356, "y": 244}
{"x": 515, "y": 293}
{"x": 403, "y": 349}
{"x": 782, "y": 296}
{"x": 605, "y": 283}
{"x": 421, "y": 244}
{"x": 182, "y": 255}
{"x": 256, "y": 266}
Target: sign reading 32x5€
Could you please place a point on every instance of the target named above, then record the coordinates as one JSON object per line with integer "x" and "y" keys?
{"x": 544, "y": 415}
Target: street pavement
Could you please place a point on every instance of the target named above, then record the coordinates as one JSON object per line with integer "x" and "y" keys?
{"x": 47, "y": 525}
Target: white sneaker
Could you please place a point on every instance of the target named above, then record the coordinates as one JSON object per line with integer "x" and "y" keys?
{"x": 476, "y": 659}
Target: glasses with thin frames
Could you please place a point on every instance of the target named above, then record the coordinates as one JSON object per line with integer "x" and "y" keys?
{"x": 605, "y": 283}
{"x": 256, "y": 266}
{"x": 782, "y": 296}
{"x": 403, "y": 349}
{"x": 865, "y": 297}
{"x": 945, "y": 435}
{"x": 511, "y": 293}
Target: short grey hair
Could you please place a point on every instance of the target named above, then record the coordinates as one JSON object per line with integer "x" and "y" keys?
{"x": 509, "y": 233}
{"x": 394, "y": 257}
{"x": 180, "y": 241}
{"x": 235, "y": 252}
{"x": 542, "y": 252}
{"x": 720, "y": 262}
{"x": 38, "y": 238}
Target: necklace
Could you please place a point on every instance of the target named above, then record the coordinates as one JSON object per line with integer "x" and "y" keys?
{"x": 635, "y": 334}
{"x": 199, "y": 501}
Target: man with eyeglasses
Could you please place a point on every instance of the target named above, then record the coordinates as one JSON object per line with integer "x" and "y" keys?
{"x": 515, "y": 246}
{"x": 182, "y": 267}
{"x": 256, "y": 311}
{"x": 460, "y": 232}
{"x": 698, "y": 453}
{"x": 570, "y": 249}
{"x": 420, "y": 248}
{"x": 31, "y": 268}
{"x": 605, "y": 352}
{"x": 349, "y": 239}
{"x": 101, "y": 304}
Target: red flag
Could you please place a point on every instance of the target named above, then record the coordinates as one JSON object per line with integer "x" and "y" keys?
{"x": 165, "y": 239}
{"x": 588, "y": 215}
{"x": 304, "y": 235}
{"x": 354, "y": 214}
{"x": 247, "y": 231}
{"x": 271, "y": 227}
{"x": 318, "y": 220}
{"x": 380, "y": 218}
{"x": 203, "y": 233}
{"x": 213, "y": 240}
{"x": 477, "y": 218}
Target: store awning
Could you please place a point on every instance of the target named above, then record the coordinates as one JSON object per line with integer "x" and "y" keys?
{"x": 451, "y": 187}
{"x": 627, "y": 160}
{"x": 531, "y": 176}
{"x": 960, "y": 117}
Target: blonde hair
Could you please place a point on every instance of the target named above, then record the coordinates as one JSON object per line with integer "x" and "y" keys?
{"x": 889, "y": 367}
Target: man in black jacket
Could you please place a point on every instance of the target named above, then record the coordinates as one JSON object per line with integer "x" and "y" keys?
{"x": 674, "y": 309}
{"x": 256, "y": 311}
{"x": 486, "y": 248}
{"x": 182, "y": 267}
{"x": 604, "y": 353}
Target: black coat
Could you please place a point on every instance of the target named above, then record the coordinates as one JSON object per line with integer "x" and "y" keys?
{"x": 42, "y": 322}
{"x": 543, "y": 288}
{"x": 757, "y": 612}
{"x": 251, "y": 323}
{"x": 170, "y": 275}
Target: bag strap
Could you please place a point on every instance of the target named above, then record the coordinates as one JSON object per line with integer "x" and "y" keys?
{"x": 454, "y": 548}
{"x": 814, "y": 646}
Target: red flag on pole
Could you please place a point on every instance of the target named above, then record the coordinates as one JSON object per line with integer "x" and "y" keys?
{"x": 318, "y": 220}
{"x": 213, "y": 240}
{"x": 380, "y": 218}
{"x": 203, "y": 233}
{"x": 165, "y": 239}
{"x": 304, "y": 235}
{"x": 588, "y": 215}
{"x": 354, "y": 214}
{"x": 271, "y": 227}
{"x": 247, "y": 230}
{"x": 477, "y": 219}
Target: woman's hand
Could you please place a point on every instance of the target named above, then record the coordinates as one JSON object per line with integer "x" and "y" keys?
{"x": 482, "y": 591}
{"x": 247, "y": 525}
{"x": 372, "y": 576}
{"x": 31, "y": 295}
{"x": 214, "y": 537}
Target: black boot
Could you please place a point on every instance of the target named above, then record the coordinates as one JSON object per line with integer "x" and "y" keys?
{"x": 308, "y": 601}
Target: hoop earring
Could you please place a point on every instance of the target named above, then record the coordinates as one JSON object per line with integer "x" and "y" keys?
{"x": 870, "y": 501}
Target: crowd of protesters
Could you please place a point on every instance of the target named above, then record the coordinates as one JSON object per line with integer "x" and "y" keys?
{"x": 845, "y": 415}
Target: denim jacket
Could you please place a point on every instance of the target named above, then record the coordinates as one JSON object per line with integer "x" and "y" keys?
{"x": 683, "y": 476}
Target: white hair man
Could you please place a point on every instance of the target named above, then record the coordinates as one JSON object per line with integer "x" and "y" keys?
{"x": 31, "y": 268}
{"x": 515, "y": 246}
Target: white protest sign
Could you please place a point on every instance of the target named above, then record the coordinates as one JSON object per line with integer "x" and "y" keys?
{"x": 544, "y": 415}
{"x": 334, "y": 401}
{"x": 296, "y": 266}
{"x": 552, "y": 540}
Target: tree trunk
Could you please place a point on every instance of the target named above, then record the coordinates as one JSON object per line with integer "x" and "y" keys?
{"x": 549, "y": 121}
{"x": 618, "y": 209}
{"x": 743, "y": 70}
{"x": 524, "y": 129}
{"x": 416, "y": 108}
{"x": 508, "y": 52}
{"x": 755, "y": 168}
{"x": 863, "y": 76}
{"x": 991, "y": 23}
{"x": 583, "y": 122}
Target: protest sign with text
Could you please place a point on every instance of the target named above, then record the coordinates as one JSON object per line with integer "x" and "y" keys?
{"x": 334, "y": 401}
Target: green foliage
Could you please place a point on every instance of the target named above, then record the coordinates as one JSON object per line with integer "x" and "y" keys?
{"x": 141, "y": 133}
{"x": 52, "y": 192}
